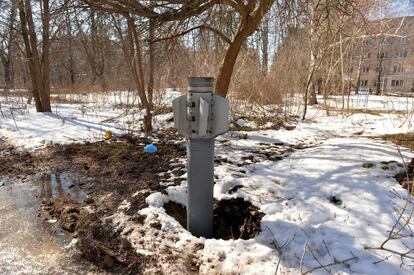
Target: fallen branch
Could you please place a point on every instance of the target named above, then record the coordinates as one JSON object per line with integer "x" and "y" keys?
{"x": 401, "y": 254}
{"x": 329, "y": 265}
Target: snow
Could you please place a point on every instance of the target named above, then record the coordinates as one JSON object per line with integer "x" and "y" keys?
{"x": 69, "y": 123}
{"x": 315, "y": 174}
{"x": 293, "y": 193}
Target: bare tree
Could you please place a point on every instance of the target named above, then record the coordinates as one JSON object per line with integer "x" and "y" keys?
{"x": 249, "y": 15}
{"x": 93, "y": 36}
{"x": 38, "y": 62}
{"x": 7, "y": 47}
{"x": 133, "y": 51}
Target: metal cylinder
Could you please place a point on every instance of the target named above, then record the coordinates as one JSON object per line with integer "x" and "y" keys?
{"x": 200, "y": 84}
{"x": 200, "y": 166}
{"x": 200, "y": 175}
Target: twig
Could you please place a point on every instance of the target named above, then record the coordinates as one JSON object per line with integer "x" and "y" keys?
{"x": 17, "y": 128}
{"x": 401, "y": 254}
{"x": 1, "y": 111}
{"x": 280, "y": 248}
{"x": 303, "y": 256}
{"x": 405, "y": 165}
{"x": 327, "y": 249}
{"x": 331, "y": 264}
{"x": 317, "y": 260}
{"x": 382, "y": 260}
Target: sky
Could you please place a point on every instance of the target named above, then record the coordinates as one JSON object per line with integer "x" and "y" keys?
{"x": 402, "y": 8}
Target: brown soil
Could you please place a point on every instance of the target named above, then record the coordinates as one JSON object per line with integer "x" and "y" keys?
{"x": 109, "y": 173}
{"x": 115, "y": 172}
{"x": 233, "y": 219}
{"x": 104, "y": 246}
{"x": 120, "y": 166}
{"x": 14, "y": 162}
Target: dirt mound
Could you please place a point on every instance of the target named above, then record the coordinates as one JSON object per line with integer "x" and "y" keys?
{"x": 65, "y": 210}
{"x": 101, "y": 244}
{"x": 236, "y": 219}
{"x": 233, "y": 219}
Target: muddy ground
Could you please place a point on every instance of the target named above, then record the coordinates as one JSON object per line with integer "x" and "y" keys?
{"x": 82, "y": 185}
{"x": 119, "y": 168}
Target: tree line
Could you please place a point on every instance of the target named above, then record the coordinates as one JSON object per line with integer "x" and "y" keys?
{"x": 263, "y": 51}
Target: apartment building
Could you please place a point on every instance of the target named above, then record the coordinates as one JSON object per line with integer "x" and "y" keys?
{"x": 384, "y": 63}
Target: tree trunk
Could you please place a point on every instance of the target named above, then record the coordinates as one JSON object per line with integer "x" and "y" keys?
{"x": 248, "y": 24}
{"x": 40, "y": 85}
{"x": 342, "y": 73}
{"x": 96, "y": 55}
{"x": 139, "y": 75}
{"x": 226, "y": 70}
{"x": 265, "y": 46}
{"x": 71, "y": 68}
{"x": 151, "y": 62}
{"x": 310, "y": 72}
{"x": 313, "y": 100}
{"x": 8, "y": 62}
{"x": 45, "y": 90}
{"x": 378, "y": 88}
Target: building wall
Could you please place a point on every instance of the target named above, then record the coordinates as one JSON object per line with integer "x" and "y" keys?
{"x": 387, "y": 58}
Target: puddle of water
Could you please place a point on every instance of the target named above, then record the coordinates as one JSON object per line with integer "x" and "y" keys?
{"x": 29, "y": 245}
{"x": 60, "y": 186}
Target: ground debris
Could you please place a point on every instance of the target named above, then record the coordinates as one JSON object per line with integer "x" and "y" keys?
{"x": 406, "y": 176}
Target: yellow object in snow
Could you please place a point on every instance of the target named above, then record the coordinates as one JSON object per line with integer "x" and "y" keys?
{"x": 108, "y": 135}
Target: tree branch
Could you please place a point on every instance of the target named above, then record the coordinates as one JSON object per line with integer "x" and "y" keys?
{"x": 201, "y": 27}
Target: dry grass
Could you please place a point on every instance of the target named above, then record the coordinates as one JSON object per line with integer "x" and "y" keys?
{"x": 366, "y": 111}
{"x": 405, "y": 140}
{"x": 65, "y": 100}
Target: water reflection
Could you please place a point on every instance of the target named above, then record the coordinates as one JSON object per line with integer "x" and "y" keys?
{"x": 29, "y": 245}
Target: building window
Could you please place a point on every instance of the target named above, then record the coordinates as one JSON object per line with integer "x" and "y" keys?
{"x": 396, "y": 83}
{"x": 365, "y": 43}
{"x": 386, "y": 41}
{"x": 365, "y": 69}
{"x": 369, "y": 55}
{"x": 403, "y": 40}
{"x": 398, "y": 69}
{"x": 402, "y": 54}
{"x": 382, "y": 55}
{"x": 363, "y": 83}
{"x": 382, "y": 83}
{"x": 378, "y": 70}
